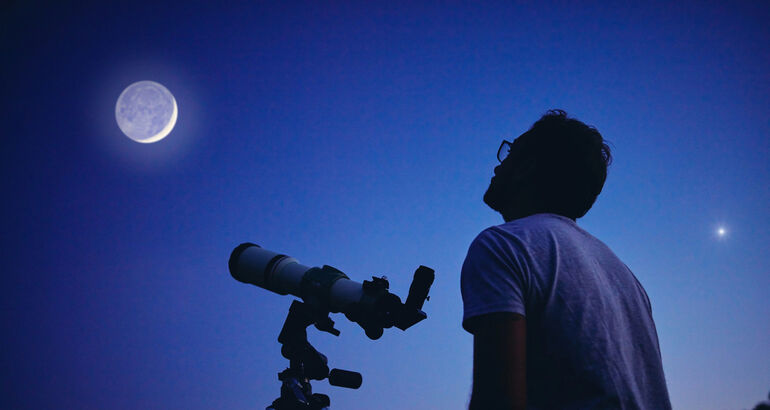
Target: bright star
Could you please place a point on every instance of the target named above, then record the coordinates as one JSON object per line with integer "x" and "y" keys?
{"x": 721, "y": 231}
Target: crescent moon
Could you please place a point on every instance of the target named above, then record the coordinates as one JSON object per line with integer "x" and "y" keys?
{"x": 146, "y": 111}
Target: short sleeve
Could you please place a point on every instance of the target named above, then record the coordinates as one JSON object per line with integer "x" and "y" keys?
{"x": 492, "y": 280}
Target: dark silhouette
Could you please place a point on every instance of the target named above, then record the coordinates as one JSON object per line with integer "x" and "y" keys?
{"x": 559, "y": 167}
{"x": 558, "y": 320}
{"x": 324, "y": 290}
{"x": 763, "y": 405}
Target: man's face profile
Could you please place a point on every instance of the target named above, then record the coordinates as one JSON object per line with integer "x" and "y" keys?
{"x": 507, "y": 186}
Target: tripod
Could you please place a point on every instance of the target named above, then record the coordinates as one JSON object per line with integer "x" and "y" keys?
{"x": 306, "y": 363}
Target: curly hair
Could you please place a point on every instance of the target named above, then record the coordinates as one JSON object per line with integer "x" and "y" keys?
{"x": 571, "y": 163}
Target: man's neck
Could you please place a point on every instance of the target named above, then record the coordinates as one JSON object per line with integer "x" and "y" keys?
{"x": 512, "y": 216}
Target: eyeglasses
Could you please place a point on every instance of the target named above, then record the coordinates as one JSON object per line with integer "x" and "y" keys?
{"x": 504, "y": 150}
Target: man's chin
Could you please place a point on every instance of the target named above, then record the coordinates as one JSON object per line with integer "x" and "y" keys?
{"x": 492, "y": 199}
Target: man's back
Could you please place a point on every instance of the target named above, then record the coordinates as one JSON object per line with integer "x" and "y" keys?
{"x": 591, "y": 340}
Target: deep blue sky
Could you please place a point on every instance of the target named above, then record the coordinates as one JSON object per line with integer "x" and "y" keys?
{"x": 361, "y": 136}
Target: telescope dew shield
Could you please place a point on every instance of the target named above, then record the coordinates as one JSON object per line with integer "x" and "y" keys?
{"x": 249, "y": 263}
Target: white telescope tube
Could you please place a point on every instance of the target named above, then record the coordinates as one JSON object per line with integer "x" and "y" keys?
{"x": 282, "y": 274}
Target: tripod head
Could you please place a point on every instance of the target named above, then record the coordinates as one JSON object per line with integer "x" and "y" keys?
{"x": 305, "y": 362}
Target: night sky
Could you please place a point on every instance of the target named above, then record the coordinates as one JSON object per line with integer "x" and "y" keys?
{"x": 363, "y": 136}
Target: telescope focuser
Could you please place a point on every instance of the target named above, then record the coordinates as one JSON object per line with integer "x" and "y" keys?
{"x": 379, "y": 309}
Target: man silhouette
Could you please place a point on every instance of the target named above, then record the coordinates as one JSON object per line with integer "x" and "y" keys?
{"x": 558, "y": 321}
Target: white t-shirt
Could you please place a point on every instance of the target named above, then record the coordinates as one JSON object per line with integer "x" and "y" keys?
{"x": 591, "y": 340}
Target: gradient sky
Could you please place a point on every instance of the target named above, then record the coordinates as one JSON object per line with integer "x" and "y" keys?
{"x": 362, "y": 136}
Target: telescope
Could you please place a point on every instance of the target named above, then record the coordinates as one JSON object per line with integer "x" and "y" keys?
{"x": 324, "y": 290}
